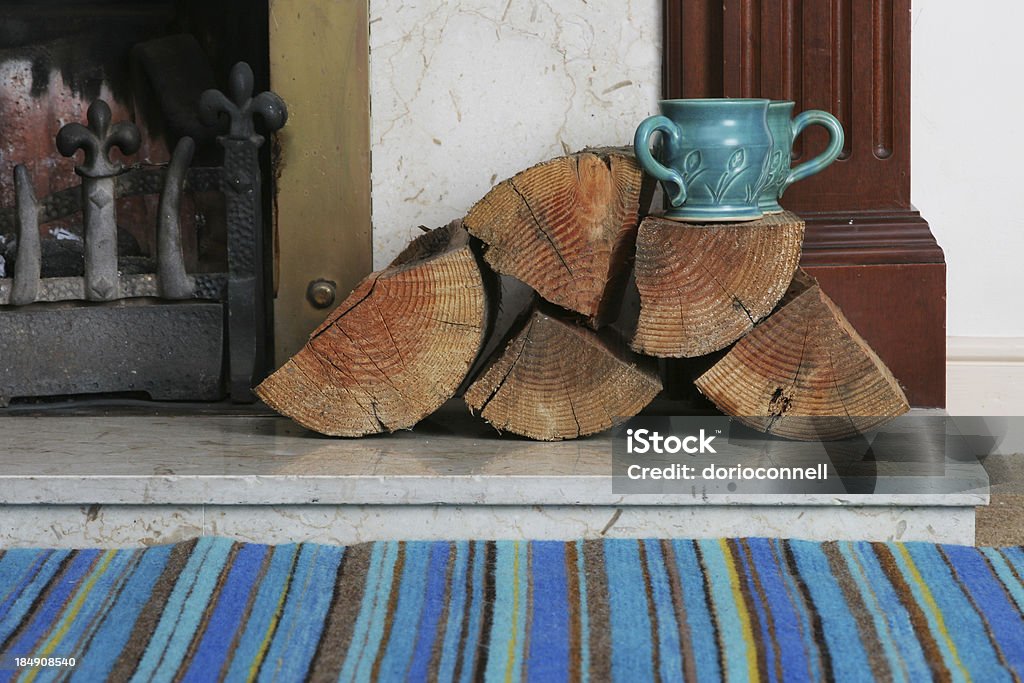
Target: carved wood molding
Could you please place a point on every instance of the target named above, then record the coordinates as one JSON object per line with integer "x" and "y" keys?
{"x": 868, "y": 237}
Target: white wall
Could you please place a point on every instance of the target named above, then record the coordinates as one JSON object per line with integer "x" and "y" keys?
{"x": 968, "y": 155}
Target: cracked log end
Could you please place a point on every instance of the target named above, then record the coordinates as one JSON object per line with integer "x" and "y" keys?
{"x": 805, "y": 373}
{"x": 567, "y": 228}
{"x": 702, "y": 287}
{"x": 395, "y": 349}
{"x": 556, "y": 380}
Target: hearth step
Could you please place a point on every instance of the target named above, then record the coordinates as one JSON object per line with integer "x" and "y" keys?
{"x": 109, "y": 479}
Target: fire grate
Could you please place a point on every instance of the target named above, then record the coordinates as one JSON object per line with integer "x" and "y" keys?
{"x": 163, "y": 333}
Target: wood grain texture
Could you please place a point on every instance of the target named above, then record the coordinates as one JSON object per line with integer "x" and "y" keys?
{"x": 566, "y": 227}
{"x": 694, "y": 29}
{"x": 804, "y": 373}
{"x": 557, "y": 380}
{"x": 704, "y": 286}
{"x": 396, "y": 349}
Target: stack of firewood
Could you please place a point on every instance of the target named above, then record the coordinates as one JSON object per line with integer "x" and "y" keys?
{"x": 568, "y": 359}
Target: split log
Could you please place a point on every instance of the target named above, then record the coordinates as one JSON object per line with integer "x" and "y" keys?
{"x": 396, "y": 349}
{"x": 702, "y": 287}
{"x": 567, "y": 227}
{"x": 558, "y": 380}
{"x": 804, "y": 373}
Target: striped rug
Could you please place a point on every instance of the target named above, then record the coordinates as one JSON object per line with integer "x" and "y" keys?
{"x": 742, "y": 609}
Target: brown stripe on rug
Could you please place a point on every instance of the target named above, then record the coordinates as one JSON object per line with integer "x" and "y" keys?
{"x": 824, "y": 655}
{"x": 467, "y": 611}
{"x": 709, "y": 604}
{"x": 349, "y": 587}
{"x": 815, "y": 616}
{"x": 652, "y": 609}
{"x": 858, "y": 566}
{"x": 483, "y": 642}
{"x": 572, "y": 593}
{"x": 597, "y": 609}
{"x": 149, "y": 617}
{"x": 389, "y": 613}
{"x": 689, "y": 669}
{"x": 859, "y": 611}
{"x": 932, "y": 653}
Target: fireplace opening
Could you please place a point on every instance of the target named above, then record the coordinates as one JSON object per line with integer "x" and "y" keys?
{"x": 132, "y": 240}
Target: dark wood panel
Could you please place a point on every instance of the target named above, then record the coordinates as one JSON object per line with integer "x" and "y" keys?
{"x": 693, "y": 48}
{"x": 900, "y": 309}
{"x": 851, "y": 58}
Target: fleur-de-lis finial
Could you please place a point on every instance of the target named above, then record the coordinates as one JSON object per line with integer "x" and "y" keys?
{"x": 97, "y": 140}
{"x": 98, "y": 208}
{"x": 242, "y": 107}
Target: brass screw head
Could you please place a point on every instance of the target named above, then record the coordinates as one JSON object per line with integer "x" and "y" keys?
{"x": 321, "y": 293}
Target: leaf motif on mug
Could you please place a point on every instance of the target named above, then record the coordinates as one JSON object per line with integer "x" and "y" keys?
{"x": 737, "y": 159}
{"x": 691, "y": 162}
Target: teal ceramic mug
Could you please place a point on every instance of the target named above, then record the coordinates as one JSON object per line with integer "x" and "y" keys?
{"x": 784, "y": 130}
{"x": 713, "y": 157}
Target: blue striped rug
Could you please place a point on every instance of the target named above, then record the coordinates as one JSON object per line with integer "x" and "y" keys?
{"x": 737, "y": 609}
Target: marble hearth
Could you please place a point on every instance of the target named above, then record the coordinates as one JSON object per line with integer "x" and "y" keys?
{"x": 125, "y": 480}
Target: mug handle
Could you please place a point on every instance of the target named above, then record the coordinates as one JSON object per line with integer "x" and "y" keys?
{"x": 642, "y": 149}
{"x": 818, "y": 163}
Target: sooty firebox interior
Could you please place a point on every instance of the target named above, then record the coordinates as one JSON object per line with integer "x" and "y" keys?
{"x": 179, "y": 189}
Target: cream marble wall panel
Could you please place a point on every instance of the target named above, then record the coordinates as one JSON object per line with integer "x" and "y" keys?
{"x": 97, "y": 526}
{"x": 357, "y": 523}
{"x": 131, "y": 526}
{"x": 469, "y": 92}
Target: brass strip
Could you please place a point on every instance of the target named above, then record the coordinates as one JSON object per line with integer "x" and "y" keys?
{"x": 319, "y": 64}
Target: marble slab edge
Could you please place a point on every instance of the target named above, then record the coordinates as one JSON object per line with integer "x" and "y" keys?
{"x": 68, "y": 526}
{"x": 415, "y": 490}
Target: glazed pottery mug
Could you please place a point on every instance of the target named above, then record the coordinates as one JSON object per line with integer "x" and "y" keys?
{"x": 785, "y": 129}
{"x": 713, "y": 157}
